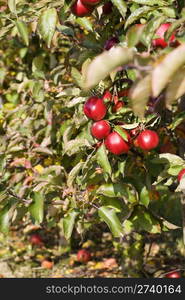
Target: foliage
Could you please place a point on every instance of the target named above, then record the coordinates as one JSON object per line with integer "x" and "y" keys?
{"x": 51, "y": 63}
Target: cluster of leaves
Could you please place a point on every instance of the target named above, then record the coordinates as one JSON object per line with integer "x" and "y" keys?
{"x": 51, "y": 62}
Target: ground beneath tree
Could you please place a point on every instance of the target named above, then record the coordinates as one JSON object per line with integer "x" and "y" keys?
{"x": 20, "y": 259}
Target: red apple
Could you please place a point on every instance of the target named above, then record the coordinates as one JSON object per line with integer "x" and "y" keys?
{"x": 47, "y": 264}
{"x": 83, "y": 256}
{"x": 160, "y": 42}
{"x": 81, "y": 10}
{"x": 116, "y": 144}
{"x": 148, "y": 139}
{"x": 36, "y": 239}
{"x": 124, "y": 93}
{"x": 117, "y": 106}
{"x": 95, "y": 108}
{"x": 181, "y": 174}
{"x": 107, "y": 96}
{"x": 173, "y": 274}
{"x": 100, "y": 129}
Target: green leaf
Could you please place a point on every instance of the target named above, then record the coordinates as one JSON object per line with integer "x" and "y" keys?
{"x": 139, "y": 94}
{"x": 176, "y": 87}
{"x": 164, "y": 71}
{"x": 74, "y": 172}
{"x": 121, "y": 6}
{"x": 23, "y": 31}
{"x": 6, "y": 215}
{"x": 65, "y": 30}
{"x": 108, "y": 215}
{"x": 143, "y": 220}
{"x": 151, "y": 2}
{"x": 113, "y": 190}
{"x": 76, "y": 145}
{"x": 76, "y": 75}
{"x": 150, "y": 29}
{"x": 12, "y": 6}
{"x": 133, "y": 35}
{"x": 47, "y": 24}
{"x": 36, "y": 208}
{"x": 37, "y": 63}
{"x": 102, "y": 159}
{"x": 137, "y": 14}
{"x": 170, "y": 12}
{"x": 144, "y": 196}
{"x": 172, "y": 159}
{"x": 114, "y": 203}
{"x": 85, "y": 23}
{"x": 179, "y": 118}
{"x": 121, "y": 132}
{"x": 174, "y": 170}
{"x": 173, "y": 27}
{"x": 68, "y": 222}
{"x": 105, "y": 63}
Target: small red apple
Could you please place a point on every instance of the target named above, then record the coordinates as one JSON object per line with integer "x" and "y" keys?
{"x": 148, "y": 139}
{"x": 36, "y": 240}
{"x": 81, "y": 10}
{"x": 100, "y": 129}
{"x": 107, "y": 96}
{"x": 117, "y": 106}
{"x": 173, "y": 274}
{"x": 47, "y": 264}
{"x": 116, "y": 144}
{"x": 83, "y": 256}
{"x": 160, "y": 42}
{"x": 95, "y": 108}
{"x": 181, "y": 174}
{"x": 124, "y": 93}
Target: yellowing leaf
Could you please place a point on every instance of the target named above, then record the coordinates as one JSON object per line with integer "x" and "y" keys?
{"x": 139, "y": 94}
{"x": 164, "y": 71}
{"x": 176, "y": 87}
{"x": 39, "y": 169}
{"x": 105, "y": 63}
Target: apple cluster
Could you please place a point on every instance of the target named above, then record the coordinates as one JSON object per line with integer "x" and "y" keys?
{"x": 95, "y": 109}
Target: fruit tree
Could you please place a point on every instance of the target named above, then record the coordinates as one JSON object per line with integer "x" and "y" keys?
{"x": 92, "y": 119}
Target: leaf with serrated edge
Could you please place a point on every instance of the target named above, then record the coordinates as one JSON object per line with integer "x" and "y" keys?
{"x": 121, "y": 132}
{"x": 102, "y": 159}
{"x": 108, "y": 215}
{"x": 74, "y": 172}
{"x": 121, "y": 6}
{"x": 23, "y": 31}
{"x": 67, "y": 224}
{"x": 47, "y": 24}
{"x": 36, "y": 208}
{"x": 138, "y": 13}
